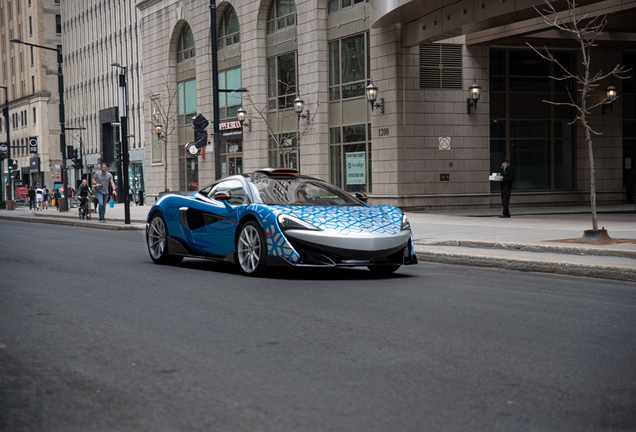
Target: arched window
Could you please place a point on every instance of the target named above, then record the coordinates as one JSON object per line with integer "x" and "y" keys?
{"x": 185, "y": 49}
{"x": 228, "y": 29}
{"x": 280, "y": 16}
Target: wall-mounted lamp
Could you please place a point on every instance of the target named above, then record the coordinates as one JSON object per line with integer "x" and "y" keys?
{"x": 610, "y": 95}
{"x": 474, "y": 91}
{"x": 159, "y": 129}
{"x": 240, "y": 115}
{"x": 372, "y": 95}
{"x": 299, "y": 104}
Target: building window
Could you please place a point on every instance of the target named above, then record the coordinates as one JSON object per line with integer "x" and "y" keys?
{"x": 185, "y": 49}
{"x": 280, "y": 16}
{"x": 629, "y": 120}
{"x": 34, "y": 116}
{"x": 58, "y": 24}
{"x": 30, "y": 26}
{"x": 229, "y": 29}
{"x": 187, "y": 109}
{"x": 32, "y": 84}
{"x": 535, "y": 136}
{"x": 337, "y": 5}
{"x": 285, "y": 153}
{"x": 281, "y": 81}
{"x": 229, "y": 103}
{"x": 441, "y": 66}
{"x": 187, "y": 101}
{"x": 349, "y": 67}
{"x": 350, "y": 156}
{"x": 32, "y": 56}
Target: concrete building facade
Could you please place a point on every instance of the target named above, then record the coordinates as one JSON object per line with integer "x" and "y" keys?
{"x": 425, "y": 150}
{"x": 96, "y": 34}
{"x": 30, "y": 76}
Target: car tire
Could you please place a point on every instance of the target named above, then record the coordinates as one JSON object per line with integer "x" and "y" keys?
{"x": 251, "y": 249}
{"x": 157, "y": 241}
{"x": 384, "y": 269}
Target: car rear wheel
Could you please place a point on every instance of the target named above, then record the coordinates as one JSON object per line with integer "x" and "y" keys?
{"x": 384, "y": 269}
{"x": 157, "y": 240}
{"x": 251, "y": 249}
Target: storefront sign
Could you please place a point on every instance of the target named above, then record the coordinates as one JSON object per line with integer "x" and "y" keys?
{"x": 231, "y": 129}
{"x": 33, "y": 145}
{"x": 356, "y": 164}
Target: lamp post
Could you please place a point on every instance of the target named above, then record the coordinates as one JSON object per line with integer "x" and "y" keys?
{"x": 123, "y": 115}
{"x": 5, "y": 111}
{"x": 60, "y": 87}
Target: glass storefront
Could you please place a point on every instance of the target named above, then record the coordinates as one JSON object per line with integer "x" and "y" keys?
{"x": 534, "y": 135}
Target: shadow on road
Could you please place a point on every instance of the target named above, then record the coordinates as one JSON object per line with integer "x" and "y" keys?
{"x": 294, "y": 273}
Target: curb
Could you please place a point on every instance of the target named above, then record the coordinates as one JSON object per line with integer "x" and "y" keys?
{"x": 568, "y": 250}
{"x": 601, "y": 272}
{"x": 76, "y": 223}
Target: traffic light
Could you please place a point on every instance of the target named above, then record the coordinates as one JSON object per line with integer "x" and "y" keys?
{"x": 77, "y": 159}
{"x": 199, "y": 123}
{"x": 118, "y": 151}
{"x": 12, "y": 165}
{"x": 70, "y": 152}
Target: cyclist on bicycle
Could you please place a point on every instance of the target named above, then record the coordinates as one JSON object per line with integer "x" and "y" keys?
{"x": 83, "y": 192}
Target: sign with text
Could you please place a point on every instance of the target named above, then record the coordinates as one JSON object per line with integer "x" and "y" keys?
{"x": 356, "y": 163}
{"x": 231, "y": 129}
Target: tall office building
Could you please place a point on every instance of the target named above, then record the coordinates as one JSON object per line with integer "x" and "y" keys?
{"x": 30, "y": 75}
{"x": 96, "y": 34}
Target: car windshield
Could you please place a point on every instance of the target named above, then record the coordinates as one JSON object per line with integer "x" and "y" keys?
{"x": 300, "y": 191}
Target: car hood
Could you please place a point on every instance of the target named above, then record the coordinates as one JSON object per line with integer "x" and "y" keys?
{"x": 383, "y": 219}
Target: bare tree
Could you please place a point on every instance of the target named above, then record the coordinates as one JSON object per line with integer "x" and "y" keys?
{"x": 285, "y": 148}
{"x": 164, "y": 113}
{"x": 585, "y": 31}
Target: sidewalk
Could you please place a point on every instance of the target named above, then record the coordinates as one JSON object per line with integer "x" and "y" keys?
{"x": 529, "y": 241}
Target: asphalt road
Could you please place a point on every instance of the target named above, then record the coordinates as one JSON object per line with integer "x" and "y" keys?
{"x": 95, "y": 337}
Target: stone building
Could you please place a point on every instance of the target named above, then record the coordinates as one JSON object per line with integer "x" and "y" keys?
{"x": 96, "y": 34}
{"x": 423, "y": 57}
{"x": 30, "y": 77}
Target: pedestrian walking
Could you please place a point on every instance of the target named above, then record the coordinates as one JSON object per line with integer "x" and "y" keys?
{"x": 46, "y": 198}
{"x": 101, "y": 181}
{"x": 39, "y": 198}
{"x": 507, "y": 177}
{"x": 56, "y": 198}
{"x": 31, "y": 198}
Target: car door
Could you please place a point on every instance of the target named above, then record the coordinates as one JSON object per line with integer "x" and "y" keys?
{"x": 213, "y": 226}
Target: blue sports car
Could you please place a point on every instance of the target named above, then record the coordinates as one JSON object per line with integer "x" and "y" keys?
{"x": 274, "y": 217}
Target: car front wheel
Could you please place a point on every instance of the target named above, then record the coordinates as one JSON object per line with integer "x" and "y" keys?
{"x": 251, "y": 249}
{"x": 157, "y": 240}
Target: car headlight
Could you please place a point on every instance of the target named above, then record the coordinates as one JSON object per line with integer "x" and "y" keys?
{"x": 405, "y": 223}
{"x": 291, "y": 222}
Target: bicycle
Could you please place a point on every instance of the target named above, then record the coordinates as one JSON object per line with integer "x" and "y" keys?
{"x": 84, "y": 209}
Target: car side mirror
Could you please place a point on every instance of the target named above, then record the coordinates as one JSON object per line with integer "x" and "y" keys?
{"x": 222, "y": 195}
{"x": 362, "y": 197}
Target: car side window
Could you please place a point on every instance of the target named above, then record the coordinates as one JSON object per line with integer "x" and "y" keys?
{"x": 234, "y": 187}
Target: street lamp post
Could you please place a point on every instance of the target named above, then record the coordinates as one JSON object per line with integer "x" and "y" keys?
{"x": 60, "y": 87}
{"x": 123, "y": 115}
{"x": 5, "y": 111}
